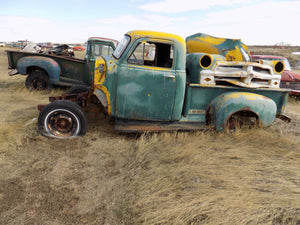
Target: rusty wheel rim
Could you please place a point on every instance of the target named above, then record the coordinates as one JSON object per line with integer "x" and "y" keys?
{"x": 39, "y": 84}
{"x": 62, "y": 123}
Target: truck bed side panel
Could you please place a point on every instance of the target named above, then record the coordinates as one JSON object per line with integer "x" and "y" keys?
{"x": 199, "y": 97}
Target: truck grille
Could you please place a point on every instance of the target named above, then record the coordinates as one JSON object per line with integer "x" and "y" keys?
{"x": 244, "y": 74}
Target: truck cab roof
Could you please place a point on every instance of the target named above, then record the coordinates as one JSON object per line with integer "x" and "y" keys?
{"x": 134, "y": 34}
{"x": 103, "y": 39}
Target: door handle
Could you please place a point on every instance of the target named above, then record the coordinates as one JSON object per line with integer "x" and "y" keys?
{"x": 170, "y": 76}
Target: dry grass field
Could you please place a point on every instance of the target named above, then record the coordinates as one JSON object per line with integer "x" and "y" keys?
{"x": 250, "y": 177}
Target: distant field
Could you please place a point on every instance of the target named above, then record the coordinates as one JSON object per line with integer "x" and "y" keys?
{"x": 250, "y": 177}
{"x": 277, "y": 50}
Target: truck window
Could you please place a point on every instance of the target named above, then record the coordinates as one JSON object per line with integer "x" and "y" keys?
{"x": 96, "y": 50}
{"x": 152, "y": 54}
{"x": 102, "y": 50}
{"x": 107, "y": 50}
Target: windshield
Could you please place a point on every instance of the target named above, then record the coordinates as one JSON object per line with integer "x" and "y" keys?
{"x": 121, "y": 46}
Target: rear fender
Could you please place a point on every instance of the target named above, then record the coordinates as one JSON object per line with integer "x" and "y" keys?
{"x": 225, "y": 105}
{"x": 47, "y": 64}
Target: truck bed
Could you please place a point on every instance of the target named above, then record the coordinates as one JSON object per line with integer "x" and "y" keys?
{"x": 14, "y": 55}
{"x": 72, "y": 69}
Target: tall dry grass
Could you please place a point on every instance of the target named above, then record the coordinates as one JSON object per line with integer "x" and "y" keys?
{"x": 206, "y": 178}
{"x": 249, "y": 177}
{"x": 18, "y": 109}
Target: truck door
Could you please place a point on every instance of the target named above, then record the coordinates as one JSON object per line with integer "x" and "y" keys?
{"x": 146, "y": 82}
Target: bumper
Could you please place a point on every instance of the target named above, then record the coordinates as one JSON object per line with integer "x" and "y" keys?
{"x": 13, "y": 72}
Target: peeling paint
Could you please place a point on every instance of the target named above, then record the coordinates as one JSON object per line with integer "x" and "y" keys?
{"x": 231, "y": 49}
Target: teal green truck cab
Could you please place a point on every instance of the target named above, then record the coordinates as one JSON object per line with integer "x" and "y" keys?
{"x": 151, "y": 84}
{"x": 45, "y": 70}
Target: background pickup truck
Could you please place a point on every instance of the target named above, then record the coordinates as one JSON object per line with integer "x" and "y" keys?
{"x": 45, "y": 70}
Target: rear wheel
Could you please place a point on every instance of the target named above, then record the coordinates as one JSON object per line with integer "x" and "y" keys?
{"x": 38, "y": 80}
{"x": 62, "y": 119}
{"x": 242, "y": 120}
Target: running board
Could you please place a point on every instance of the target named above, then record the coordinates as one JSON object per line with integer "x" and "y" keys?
{"x": 136, "y": 126}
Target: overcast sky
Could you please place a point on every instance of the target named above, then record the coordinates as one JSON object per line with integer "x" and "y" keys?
{"x": 262, "y": 22}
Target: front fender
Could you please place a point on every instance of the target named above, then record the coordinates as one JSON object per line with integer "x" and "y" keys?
{"x": 100, "y": 90}
{"x": 225, "y": 105}
{"x": 49, "y": 65}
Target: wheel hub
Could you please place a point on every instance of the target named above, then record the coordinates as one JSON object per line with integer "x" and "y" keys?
{"x": 39, "y": 84}
{"x": 62, "y": 125}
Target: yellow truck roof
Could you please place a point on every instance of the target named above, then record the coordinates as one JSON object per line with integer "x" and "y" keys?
{"x": 157, "y": 34}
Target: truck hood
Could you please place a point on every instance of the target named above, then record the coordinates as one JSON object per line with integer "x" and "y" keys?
{"x": 231, "y": 49}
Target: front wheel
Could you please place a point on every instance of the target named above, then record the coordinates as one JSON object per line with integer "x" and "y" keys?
{"x": 62, "y": 119}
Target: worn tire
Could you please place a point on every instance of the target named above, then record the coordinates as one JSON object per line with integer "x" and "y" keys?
{"x": 62, "y": 119}
{"x": 38, "y": 80}
{"x": 77, "y": 89}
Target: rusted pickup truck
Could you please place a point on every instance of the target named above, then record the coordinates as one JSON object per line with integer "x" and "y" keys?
{"x": 151, "y": 84}
{"x": 45, "y": 70}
